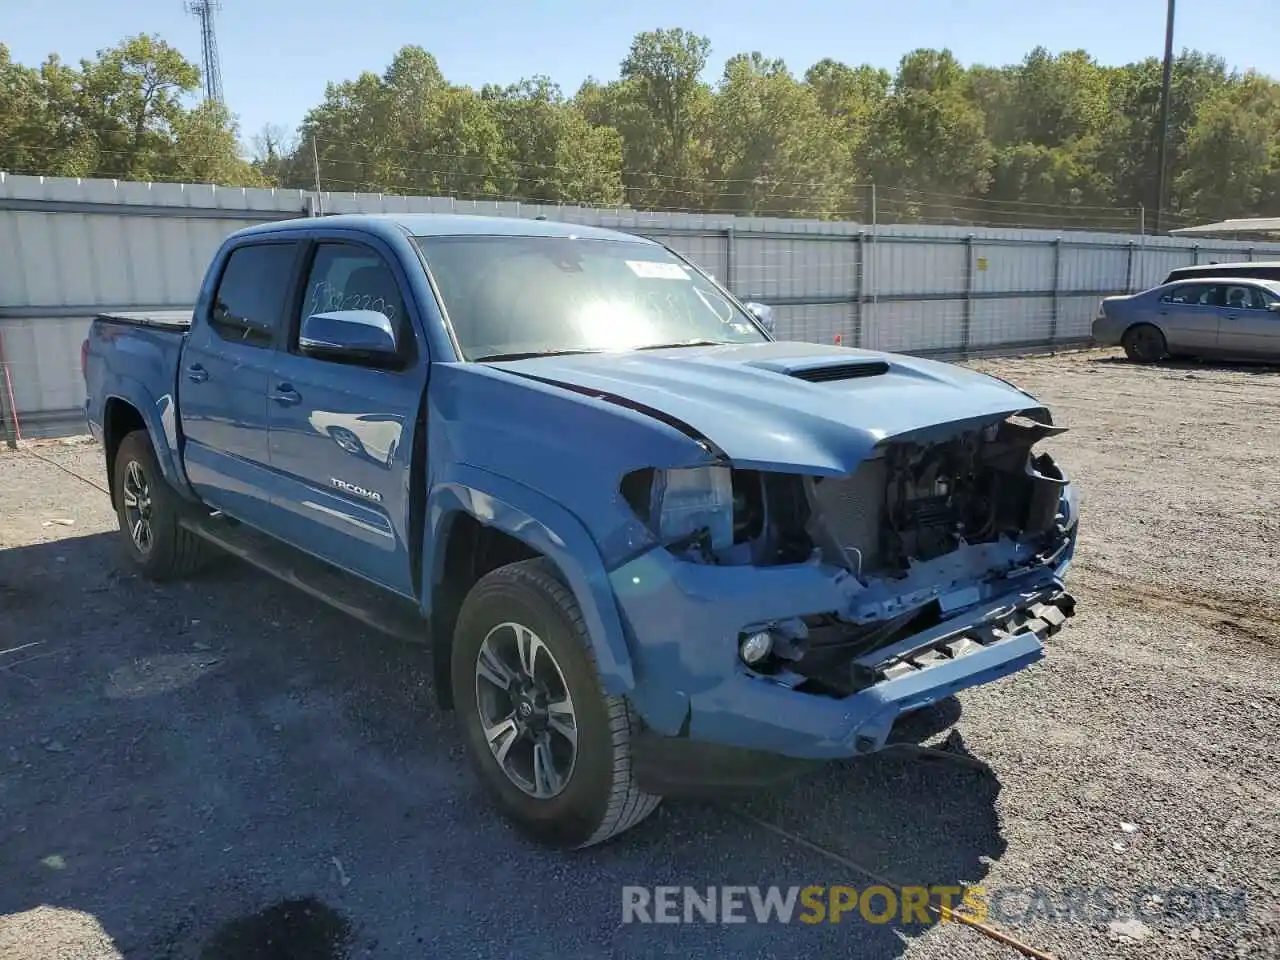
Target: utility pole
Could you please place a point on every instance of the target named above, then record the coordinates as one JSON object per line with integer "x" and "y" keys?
{"x": 315, "y": 160}
{"x": 1164, "y": 117}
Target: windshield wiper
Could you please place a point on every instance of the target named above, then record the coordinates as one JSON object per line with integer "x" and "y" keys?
{"x": 529, "y": 355}
{"x": 684, "y": 343}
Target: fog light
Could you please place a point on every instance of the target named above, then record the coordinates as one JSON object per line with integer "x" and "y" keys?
{"x": 756, "y": 646}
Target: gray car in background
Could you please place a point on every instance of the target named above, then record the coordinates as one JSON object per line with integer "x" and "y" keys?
{"x": 1225, "y": 318}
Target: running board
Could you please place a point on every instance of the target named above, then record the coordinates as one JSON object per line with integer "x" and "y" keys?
{"x": 373, "y": 606}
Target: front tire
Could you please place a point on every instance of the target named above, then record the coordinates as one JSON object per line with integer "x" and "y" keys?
{"x": 148, "y": 510}
{"x": 1144, "y": 343}
{"x": 552, "y": 749}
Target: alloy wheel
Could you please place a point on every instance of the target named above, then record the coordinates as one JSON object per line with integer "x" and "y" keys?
{"x": 526, "y": 711}
{"x": 138, "y": 506}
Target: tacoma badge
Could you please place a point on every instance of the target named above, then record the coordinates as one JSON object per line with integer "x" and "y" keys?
{"x": 357, "y": 490}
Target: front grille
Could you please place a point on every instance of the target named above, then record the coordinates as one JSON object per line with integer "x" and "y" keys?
{"x": 852, "y": 507}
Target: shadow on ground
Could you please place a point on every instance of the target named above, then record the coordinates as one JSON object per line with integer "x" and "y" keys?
{"x": 1189, "y": 365}
{"x": 221, "y": 769}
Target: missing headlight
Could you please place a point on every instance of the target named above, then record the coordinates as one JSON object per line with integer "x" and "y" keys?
{"x": 718, "y": 515}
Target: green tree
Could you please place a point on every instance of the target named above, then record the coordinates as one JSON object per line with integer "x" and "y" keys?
{"x": 660, "y": 108}
{"x": 130, "y": 99}
{"x": 119, "y": 115}
{"x": 407, "y": 131}
{"x": 1232, "y": 161}
{"x": 1129, "y": 161}
{"x": 1048, "y": 120}
{"x": 553, "y": 153}
{"x": 851, "y": 98}
{"x": 206, "y": 149}
{"x": 928, "y": 147}
{"x": 774, "y": 152}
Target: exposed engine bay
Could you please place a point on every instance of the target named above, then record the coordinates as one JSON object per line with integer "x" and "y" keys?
{"x": 923, "y": 513}
{"x": 915, "y": 501}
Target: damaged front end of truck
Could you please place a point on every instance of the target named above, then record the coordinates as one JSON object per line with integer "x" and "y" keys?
{"x": 816, "y": 610}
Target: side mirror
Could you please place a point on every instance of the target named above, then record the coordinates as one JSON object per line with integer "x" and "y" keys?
{"x": 763, "y": 313}
{"x": 348, "y": 334}
{"x": 1274, "y": 306}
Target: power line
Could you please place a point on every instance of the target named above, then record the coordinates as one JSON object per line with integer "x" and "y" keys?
{"x": 493, "y": 178}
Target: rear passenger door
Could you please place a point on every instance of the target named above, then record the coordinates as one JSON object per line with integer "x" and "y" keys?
{"x": 341, "y": 432}
{"x": 223, "y": 378}
{"x": 1189, "y": 315}
{"x": 1249, "y": 329}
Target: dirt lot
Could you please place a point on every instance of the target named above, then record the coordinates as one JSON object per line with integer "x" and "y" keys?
{"x": 223, "y": 770}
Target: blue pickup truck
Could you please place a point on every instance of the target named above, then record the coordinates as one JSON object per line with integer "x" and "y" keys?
{"x": 654, "y": 550}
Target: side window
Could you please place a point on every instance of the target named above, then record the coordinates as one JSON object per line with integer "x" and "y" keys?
{"x": 1237, "y": 297}
{"x": 1255, "y": 299}
{"x": 347, "y": 277}
{"x": 1200, "y": 294}
{"x": 249, "y": 302}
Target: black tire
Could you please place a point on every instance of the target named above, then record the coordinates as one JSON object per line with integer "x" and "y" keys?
{"x": 1144, "y": 343}
{"x": 599, "y": 798}
{"x": 171, "y": 551}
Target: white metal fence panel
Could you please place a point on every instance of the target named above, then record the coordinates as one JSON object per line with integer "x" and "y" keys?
{"x": 1003, "y": 320}
{"x": 901, "y": 325}
{"x": 1011, "y": 268}
{"x": 44, "y": 364}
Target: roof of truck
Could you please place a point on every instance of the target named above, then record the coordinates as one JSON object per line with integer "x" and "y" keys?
{"x": 449, "y": 225}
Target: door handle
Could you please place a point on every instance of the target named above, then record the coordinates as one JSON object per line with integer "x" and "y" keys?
{"x": 197, "y": 373}
{"x": 1232, "y": 316}
{"x": 285, "y": 395}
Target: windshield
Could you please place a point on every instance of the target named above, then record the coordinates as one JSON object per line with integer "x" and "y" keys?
{"x": 509, "y": 297}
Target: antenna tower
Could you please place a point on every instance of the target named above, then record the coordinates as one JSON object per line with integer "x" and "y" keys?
{"x": 203, "y": 10}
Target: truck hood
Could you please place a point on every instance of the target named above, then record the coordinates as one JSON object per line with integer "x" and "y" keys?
{"x": 783, "y": 406}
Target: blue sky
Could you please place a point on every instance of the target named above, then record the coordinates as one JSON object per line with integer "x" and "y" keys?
{"x": 278, "y": 54}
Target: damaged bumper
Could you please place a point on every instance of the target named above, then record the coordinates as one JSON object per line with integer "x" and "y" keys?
{"x": 696, "y": 695}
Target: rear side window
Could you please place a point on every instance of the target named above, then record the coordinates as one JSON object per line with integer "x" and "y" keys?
{"x": 1201, "y": 294}
{"x": 249, "y": 303}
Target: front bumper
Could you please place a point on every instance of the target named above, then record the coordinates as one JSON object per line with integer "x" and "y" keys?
{"x": 685, "y": 620}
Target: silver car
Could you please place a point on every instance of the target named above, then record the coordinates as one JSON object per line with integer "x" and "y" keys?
{"x": 1223, "y": 318}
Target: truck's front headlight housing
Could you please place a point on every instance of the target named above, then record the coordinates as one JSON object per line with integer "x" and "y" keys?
{"x": 686, "y": 501}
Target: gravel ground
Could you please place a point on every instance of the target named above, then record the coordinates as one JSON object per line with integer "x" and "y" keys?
{"x": 222, "y": 770}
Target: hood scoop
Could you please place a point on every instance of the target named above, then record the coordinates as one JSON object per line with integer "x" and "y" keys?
{"x": 830, "y": 372}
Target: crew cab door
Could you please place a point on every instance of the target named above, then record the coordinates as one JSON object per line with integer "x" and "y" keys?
{"x": 223, "y": 376}
{"x": 341, "y": 433}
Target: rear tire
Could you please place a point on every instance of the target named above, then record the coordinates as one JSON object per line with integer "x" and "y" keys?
{"x": 149, "y": 510}
{"x": 1144, "y": 343}
{"x": 583, "y": 791}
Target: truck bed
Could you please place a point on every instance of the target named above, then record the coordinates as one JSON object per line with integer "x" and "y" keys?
{"x": 135, "y": 355}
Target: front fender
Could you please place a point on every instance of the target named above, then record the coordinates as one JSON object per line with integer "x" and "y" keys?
{"x": 160, "y": 415}
{"x": 548, "y": 528}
